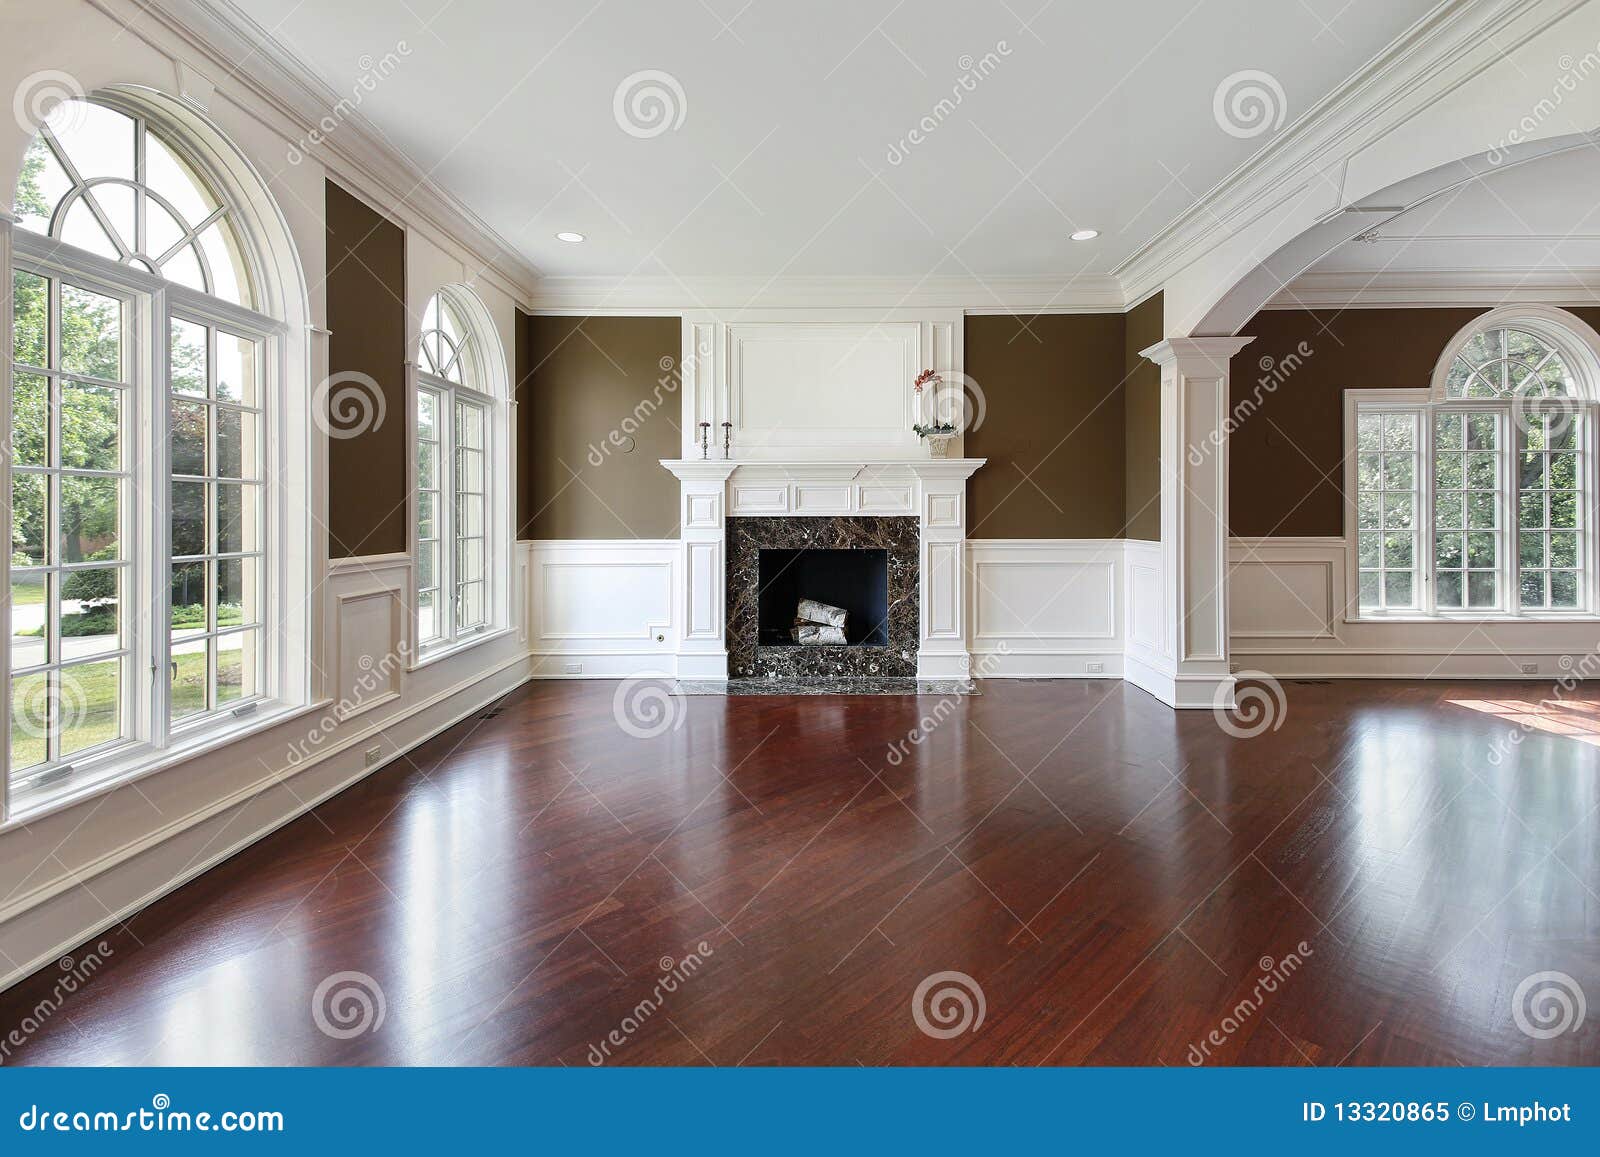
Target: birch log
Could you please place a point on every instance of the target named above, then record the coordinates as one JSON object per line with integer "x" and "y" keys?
{"x": 811, "y": 611}
{"x": 814, "y": 635}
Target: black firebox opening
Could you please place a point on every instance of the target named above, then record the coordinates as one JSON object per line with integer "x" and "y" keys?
{"x": 857, "y": 580}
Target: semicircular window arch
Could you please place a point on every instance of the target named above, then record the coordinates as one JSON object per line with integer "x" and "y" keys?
{"x": 106, "y": 181}
{"x": 1509, "y": 361}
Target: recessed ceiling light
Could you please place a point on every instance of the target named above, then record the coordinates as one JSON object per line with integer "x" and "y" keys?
{"x": 572, "y": 237}
{"x": 1085, "y": 234}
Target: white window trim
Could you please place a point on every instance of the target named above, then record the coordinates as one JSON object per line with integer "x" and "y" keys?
{"x": 1426, "y": 403}
{"x": 488, "y": 358}
{"x": 445, "y": 578}
{"x": 149, "y": 737}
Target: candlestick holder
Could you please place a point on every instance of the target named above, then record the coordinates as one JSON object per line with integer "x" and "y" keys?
{"x": 727, "y": 440}
{"x": 705, "y": 440}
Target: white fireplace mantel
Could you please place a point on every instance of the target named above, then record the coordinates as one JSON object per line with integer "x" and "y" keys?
{"x": 933, "y": 490}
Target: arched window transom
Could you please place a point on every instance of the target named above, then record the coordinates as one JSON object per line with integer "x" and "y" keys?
{"x": 101, "y": 180}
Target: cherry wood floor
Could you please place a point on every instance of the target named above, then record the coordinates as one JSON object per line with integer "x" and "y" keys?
{"x": 1113, "y": 877}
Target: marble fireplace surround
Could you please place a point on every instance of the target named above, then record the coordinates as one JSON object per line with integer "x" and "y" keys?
{"x": 748, "y": 537}
{"x": 915, "y": 508}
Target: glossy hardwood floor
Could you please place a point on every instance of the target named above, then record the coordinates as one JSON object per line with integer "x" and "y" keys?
{"x": 772, "y": 880}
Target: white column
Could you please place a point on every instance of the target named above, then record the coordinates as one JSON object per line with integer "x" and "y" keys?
{"x": 1190, "y": 668}
{"x": 942, "y": 499}
{"x": 702, "y": 646}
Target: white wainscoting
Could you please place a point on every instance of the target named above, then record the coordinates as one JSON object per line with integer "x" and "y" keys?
{"x": 603, "y": 608}
{"x": 1046, "y": 608}
{"x": 1290, "y": 617}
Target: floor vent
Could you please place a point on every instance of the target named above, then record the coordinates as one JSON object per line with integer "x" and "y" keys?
{"x": 492, "y": 713}
{"x": 1312, "y": 682}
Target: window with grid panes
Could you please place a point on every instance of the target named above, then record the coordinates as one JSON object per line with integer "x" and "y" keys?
{"x": 1499, "y": 460}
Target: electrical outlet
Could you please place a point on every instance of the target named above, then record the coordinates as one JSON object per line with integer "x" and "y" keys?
{"x": 574, "y": 668}
{"x": 1530, "y": 668}
{"x": 1094, "y": 668}
{"x": 374, "y": 754}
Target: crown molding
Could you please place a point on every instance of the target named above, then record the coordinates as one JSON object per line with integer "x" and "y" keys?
{"x": 1440, "y": 288}
{"x": 357, "y": 151}
{"x": 656, "y": 294}
{"x": 1445, "y": 48}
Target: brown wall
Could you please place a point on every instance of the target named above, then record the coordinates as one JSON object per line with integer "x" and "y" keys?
{"x": 1286, "y": 474}
{"x": 1053, "y": 409}
{"x": 583, "y": 380}
{"x": 366, "y": 288}
{"x": 1142, "y": 426}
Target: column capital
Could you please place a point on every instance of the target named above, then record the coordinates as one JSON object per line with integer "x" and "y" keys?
{"x": 1196, "y": 354}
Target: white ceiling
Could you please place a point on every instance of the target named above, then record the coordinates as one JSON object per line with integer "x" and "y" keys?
{"x": 1539, "y": 216}
{"x": 1095, "y": 115}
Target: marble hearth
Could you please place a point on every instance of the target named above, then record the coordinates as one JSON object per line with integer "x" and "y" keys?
{"x": 748, "y": 657}
{"x": 915, "y": 509}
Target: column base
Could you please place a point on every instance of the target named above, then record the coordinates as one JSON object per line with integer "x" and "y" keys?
{"x": 1185, "y": 690}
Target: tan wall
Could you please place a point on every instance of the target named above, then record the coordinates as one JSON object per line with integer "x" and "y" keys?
{"x": 1142, "y": 424}
{"x": 1052, "y": 429}
{"x": 1285, "y": 460}
{"x": 580, "y": 380}
{"x": 366, "y": 288}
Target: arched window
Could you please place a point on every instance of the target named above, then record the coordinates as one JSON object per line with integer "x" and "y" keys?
{"x": 142, "y": 373}
{"x": 455, "y": 514}
{"x": 1473, "y": 498}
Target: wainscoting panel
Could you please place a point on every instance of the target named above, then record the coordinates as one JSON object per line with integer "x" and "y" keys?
{"x": 602, "y": 608}
{"x": 1288, "y": 603}
{"x": 1046, "y": 607}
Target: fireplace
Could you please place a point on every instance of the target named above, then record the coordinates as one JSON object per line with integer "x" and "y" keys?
{"x": 866, "y": 564}
{"x": 856, "y": 581}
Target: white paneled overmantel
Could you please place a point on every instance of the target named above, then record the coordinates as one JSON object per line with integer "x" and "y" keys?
{"x": 933, "y": 490}
{"x": 815, "y": 384}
